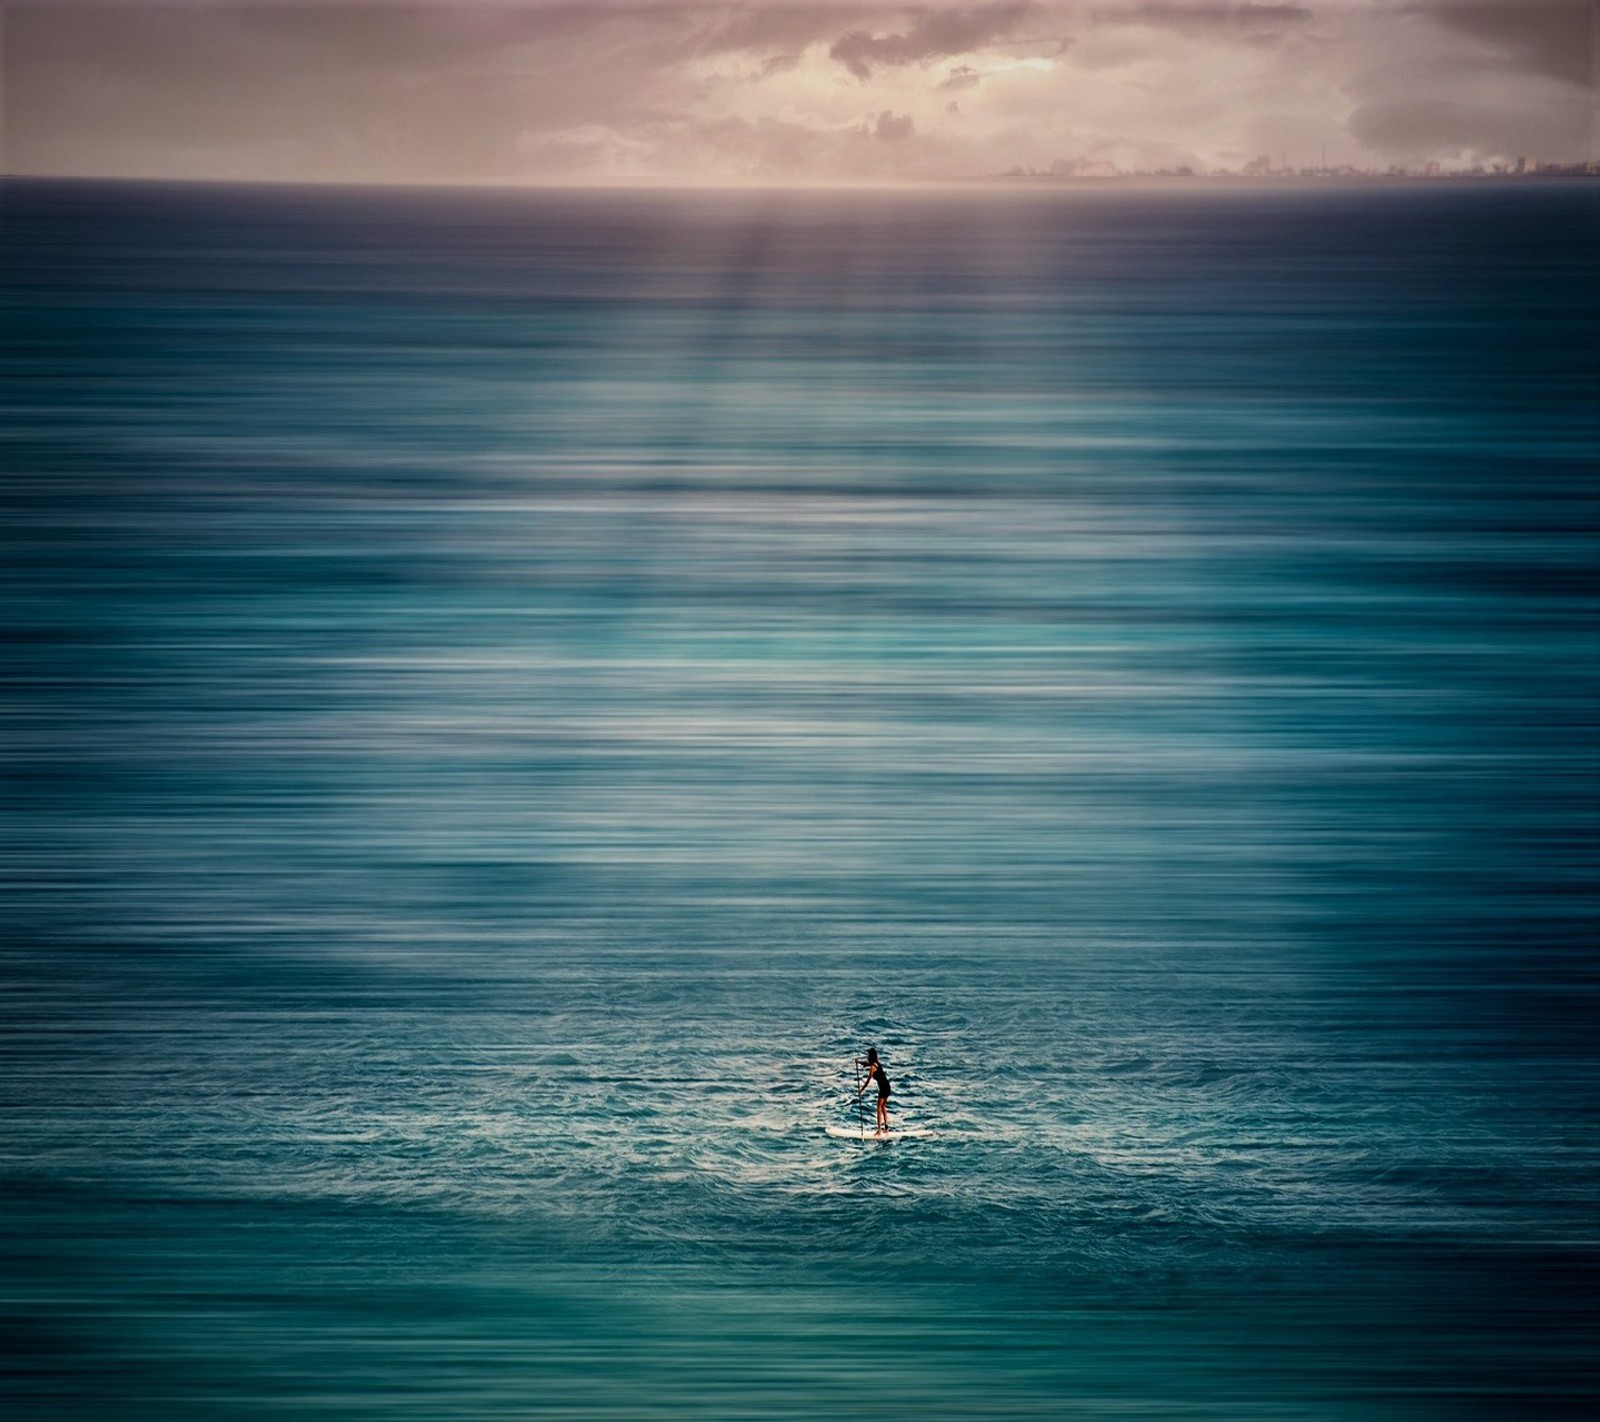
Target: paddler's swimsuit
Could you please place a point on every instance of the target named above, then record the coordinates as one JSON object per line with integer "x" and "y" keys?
{"x": 883, "y": 1081}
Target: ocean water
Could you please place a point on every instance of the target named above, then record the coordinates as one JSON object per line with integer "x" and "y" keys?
{"x": 508, "y": 695}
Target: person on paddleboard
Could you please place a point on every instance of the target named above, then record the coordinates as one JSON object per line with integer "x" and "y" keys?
{"x": 875, "y": 1073}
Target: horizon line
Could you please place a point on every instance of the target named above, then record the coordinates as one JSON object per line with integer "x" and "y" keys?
{"x": 1010, "y": 182}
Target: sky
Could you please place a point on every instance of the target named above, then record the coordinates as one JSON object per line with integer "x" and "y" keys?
{"x": 764, "y": 92}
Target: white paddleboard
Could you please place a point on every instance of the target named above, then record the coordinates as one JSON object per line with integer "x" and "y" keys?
{"x": 853, "y": 1133}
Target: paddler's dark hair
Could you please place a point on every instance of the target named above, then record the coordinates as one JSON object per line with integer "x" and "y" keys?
{"x": 872, "y": 1054}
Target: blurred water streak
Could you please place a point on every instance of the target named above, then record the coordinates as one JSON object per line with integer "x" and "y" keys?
{"x": 508, "y": 694}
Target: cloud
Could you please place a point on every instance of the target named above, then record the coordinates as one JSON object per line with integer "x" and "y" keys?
{"x": 781, "y": 28}
{"x": 886, "y": 145}
{"x": 702, "y": 90}
{"x": 316, "y": 92}
{"x": 934, "y": 34}
{"x": 1412, "y": 129}
{"x": 893, "y": 128}
{"x": 1246, "y": 21}
{"x": 1555, "y": 38}
{"x": 1480, "y": 81}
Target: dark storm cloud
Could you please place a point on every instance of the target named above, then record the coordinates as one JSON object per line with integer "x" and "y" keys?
{"x": 893, "y": 128}
{"x": 1490, "y": 81}
{"x": 933, "y": 34}
{"x": 1555, "y": 38}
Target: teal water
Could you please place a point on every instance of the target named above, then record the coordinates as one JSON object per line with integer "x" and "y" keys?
{"x": 508, "y": 695}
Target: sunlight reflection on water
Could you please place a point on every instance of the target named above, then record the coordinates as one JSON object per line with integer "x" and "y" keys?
{"x": 509, "y": 695}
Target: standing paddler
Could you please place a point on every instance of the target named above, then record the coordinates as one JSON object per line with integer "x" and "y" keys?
{"x": 876, "y": 1073}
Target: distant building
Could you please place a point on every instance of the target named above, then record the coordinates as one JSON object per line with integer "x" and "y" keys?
{"x": 1433, "y": 169}
{"x": 1258, "y": 167}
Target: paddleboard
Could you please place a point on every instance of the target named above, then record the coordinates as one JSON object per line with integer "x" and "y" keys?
{"x": 853, "y": 1133}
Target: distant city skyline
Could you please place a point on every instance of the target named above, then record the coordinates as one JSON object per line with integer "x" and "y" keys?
{"x": 1265, "y": 166}
{"x": 674, "y": 91}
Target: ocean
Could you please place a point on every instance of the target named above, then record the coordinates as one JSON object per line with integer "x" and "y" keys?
{"x": 509, "y": 694}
